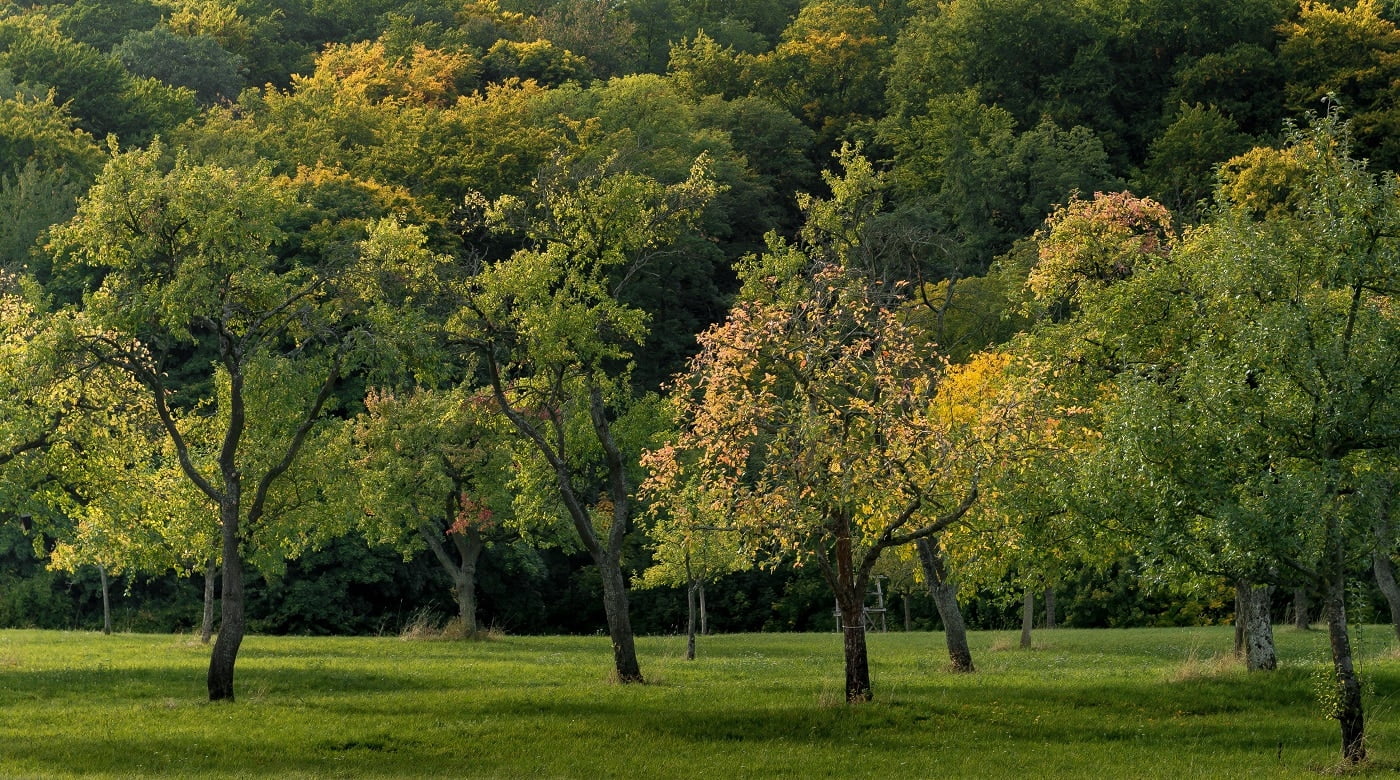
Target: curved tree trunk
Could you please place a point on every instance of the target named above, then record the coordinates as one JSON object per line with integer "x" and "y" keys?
{"x": 619, "y": 621}
{"x": 231, "y": 626}
{"x": 1348, "y": 710}
{"x": 945, "y": 599}
{"x": 1385, "y": 574}
{"x": 206, "y": 625}
{"x": 1259, "y": 631}
{"x": 1027, "y": 617}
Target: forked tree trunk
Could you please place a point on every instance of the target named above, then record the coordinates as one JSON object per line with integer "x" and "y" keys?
{"x": 231, "y": 626}
{"x": 1259, "y": 631}
{"x": 1050, "y": 621}
{"x": 206, "y": 625}
{"x": 1348, "y": 708}
{"x": 1301, "y": 608}
{"x": 1027, "y": 617}
{"x": 462, "y": 570}
{"x": 106, "y": 600}
{"x": 945, "y": 599}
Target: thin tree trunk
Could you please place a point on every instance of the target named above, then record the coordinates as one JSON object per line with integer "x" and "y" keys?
{"x": 206, "y": 626}
{"x": 1259, "y": 631}
{"x": 1050, "y": 621}
{"x": 690, "y": 619}
{"x": 106, "y": 601}
{"x": 945, "y": 599}
{"x": 691, "y": 585}
{"x": 908, "y": 614}
{"x": 704, "y": 615}
{"x": 231, "y": 626}
{"x": 1242, "y": 601}
{"x": 1300, "y": 609}
{"x": 1027, "y": 617}
{"x": 1348, "y": 711}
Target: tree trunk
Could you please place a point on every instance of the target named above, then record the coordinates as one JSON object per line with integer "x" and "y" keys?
{"x": 1259, "y": 631}
{"x": 469, "y": 544}
{"x": 1027, "y": 617}
{"x": 1300, "y": 609}
{"x": 206, "y": 626}
{"x": 704, "y": 615}
{"x": 106, "y": 601}
{"x": 908, "y": 615}
{"x": 231, "y": 626}
{"x": 857, "y": 659}
{"x": 690, "y": 619}
{"x": 619, "y": 621}
{"x": 850, "y": 602}
{"x": 1241, "y": 615}
{"x": 1050, "y": 621}
{"x": 1385, "y": 579}
{"x": 1348, "y": 710}
{"x": 945, "y": 599}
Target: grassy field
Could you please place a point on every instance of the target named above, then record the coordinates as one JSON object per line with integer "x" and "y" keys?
{"x": 1083, "y": 703}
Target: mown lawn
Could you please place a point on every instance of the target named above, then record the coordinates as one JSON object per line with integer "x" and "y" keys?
{"x": 1083, "y": 703}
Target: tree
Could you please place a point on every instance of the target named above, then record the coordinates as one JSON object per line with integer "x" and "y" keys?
{"x": 1307, "y": 338}
{"x": 1260, "y": 432}
{"x": 434, "y": 467}
{"x": 826, "y": 69}
{"x": 555, "y": 342}
{"x": 1180, "y": 168}
{"x": 691, "y": 548}
{"x": 186, "y": 257}
{"x": 811, "y": 418}
{"x": 197, "y": 62}
{"x": 1350, "y": 55}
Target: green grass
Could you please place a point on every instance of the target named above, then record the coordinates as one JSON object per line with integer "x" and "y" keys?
{"x": 1083, "y": 703}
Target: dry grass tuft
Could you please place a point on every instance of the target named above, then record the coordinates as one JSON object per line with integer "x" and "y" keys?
{"x": 1201, "y": 667}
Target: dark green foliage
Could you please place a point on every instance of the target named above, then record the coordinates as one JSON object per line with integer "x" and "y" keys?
{"x": 197, "y": 62}
{"x": 346, "y": 587}
{"x": 1180, "y": 168}
{"x": 103, "y": 23}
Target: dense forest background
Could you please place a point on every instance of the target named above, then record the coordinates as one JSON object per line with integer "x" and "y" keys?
{"x": 985, "y": 115}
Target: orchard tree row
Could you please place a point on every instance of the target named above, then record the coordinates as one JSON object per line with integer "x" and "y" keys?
{"x": 974, "y": 293}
